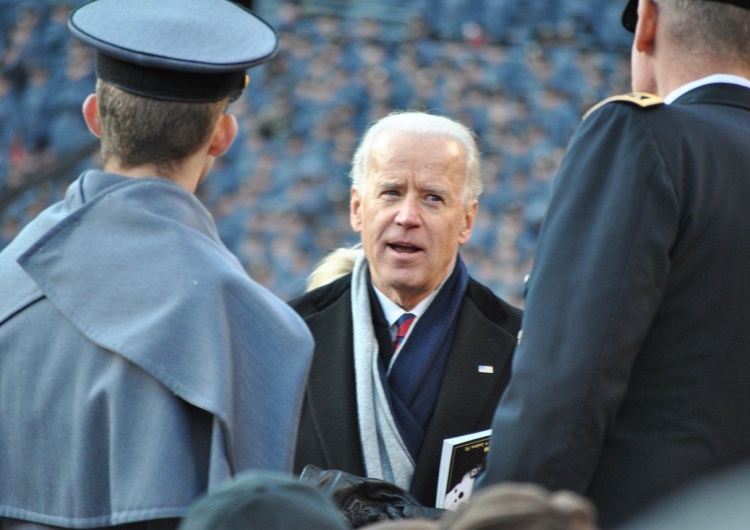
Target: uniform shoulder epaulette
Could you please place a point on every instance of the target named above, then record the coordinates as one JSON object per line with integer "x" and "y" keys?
{"x": 641, "y": 99}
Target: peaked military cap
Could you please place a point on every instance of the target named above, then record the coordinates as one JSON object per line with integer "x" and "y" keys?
{"x": 630, "y": 14}
{"x": 176, "y": 50}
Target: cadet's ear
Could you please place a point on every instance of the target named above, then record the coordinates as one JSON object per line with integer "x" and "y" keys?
{"x": 91, "y": 115}
{"x": 224, "y": 134}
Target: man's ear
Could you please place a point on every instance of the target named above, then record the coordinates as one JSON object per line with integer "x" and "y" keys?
{"x": 90, "y": 111}
{"x": 645, "y": 30}
{"x": 470, "y": 217}
{"x": 225, "y": 131}
{"x": 355, "y": 211}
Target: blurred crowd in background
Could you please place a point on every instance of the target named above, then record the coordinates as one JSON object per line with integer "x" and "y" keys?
{"x": 520, "y": 73}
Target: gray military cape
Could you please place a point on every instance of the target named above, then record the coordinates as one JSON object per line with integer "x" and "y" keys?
{"x": 139, "y": 364}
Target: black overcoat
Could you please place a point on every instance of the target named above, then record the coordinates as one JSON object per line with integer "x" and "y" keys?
{"x": 329, "y": 429}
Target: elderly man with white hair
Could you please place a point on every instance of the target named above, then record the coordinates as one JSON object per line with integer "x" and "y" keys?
{"x": 410, "y": 350}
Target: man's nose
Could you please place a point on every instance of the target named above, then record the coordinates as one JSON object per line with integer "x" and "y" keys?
{"x": 408, "y": 212}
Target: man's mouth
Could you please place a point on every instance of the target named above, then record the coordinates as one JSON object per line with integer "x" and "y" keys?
{"x": 404, "y": 248}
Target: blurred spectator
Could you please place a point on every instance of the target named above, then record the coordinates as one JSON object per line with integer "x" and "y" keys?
{"x": 7, "y": 121}
{"x": 509, "y": 506}
{"x": 35, "y": 109}
{"x": 67, "y": 130}
{"x": 263, "y": 500}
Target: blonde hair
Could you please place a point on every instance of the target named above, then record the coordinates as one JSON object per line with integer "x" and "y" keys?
{"x": 335, "y": 265}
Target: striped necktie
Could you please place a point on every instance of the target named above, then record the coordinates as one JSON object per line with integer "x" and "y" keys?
{"x": 403, "y": 323}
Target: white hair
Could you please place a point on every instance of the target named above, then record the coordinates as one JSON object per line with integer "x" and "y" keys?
{"x": 421, "y": 123}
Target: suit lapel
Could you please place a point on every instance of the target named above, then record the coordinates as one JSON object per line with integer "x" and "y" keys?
{"x": 331, "y": 390}
{"x": 468, "y": 397}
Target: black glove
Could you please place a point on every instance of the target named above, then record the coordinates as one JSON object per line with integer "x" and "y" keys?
{"x": 366, "y": 500}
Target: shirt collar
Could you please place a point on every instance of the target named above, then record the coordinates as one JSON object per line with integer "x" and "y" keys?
{"x": 392, "y": 311}
{"x": 711, "y": 79}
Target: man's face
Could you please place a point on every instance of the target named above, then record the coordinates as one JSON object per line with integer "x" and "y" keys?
{"x": 412, "y": 213}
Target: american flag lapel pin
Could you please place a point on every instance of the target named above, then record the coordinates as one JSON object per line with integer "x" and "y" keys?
{"x": 485, "y": 369}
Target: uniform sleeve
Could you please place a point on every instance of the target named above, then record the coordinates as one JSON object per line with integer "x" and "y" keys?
{"x": 600, "y": 269}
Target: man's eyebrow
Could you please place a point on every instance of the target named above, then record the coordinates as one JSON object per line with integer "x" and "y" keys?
{"x": 442, "y": 190}
{"x": 388, "y": 184}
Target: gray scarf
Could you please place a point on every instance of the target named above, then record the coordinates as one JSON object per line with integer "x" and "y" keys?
{"x": 385, "y": 454}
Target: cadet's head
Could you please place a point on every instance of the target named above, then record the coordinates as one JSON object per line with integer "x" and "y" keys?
{"x": 166, "y": 71}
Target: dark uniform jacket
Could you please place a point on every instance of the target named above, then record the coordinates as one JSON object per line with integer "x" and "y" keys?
{"x": 329, "y": 432}
{"x": 633, "y": 373}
